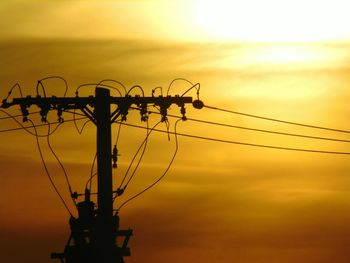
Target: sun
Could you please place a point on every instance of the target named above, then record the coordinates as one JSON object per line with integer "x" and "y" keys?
{"x": 273, "y": 20}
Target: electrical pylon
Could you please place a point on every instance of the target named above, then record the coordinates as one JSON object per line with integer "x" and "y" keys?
{"x": 94, "y": 232}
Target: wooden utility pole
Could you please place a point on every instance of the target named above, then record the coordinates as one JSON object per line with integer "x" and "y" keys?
{"x": 94, "y": 231}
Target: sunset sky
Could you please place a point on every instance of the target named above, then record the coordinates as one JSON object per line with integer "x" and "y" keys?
{"x": 220, "y": 202}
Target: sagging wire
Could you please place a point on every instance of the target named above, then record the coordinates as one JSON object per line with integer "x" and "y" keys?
{"x": 39, "y": 125}
{"x": 92, "y": 174}
{"x": 276, "y": 120}
{"x": 80, "y": 131}
{"x": 196, "y": 86}
{"x": 18, "y": 115}
{"x": 82, "y": 127}
{"x": 118, "y": 134}
{"x": 115, "y": 81}
{"x": 96, "y": 85}
{"x": 244, "y": 143}
{"x": 167, "y": 126}
{"x": 10, "y": 91}
{"x": 178, "y": 79}
{"x": 46, "y": 169}
{"x": 256, "y": 129}
{"x": 61, "y": 165}
{"x": 154, "y": 90}
{"x": 161, "y": 177}
{"x": 42, "y": 87}
{"x": 54, "y": 77}
{"x": 34, "y": 126}
{"x": 144, "y": 145}
{"x": 135, "y": 87}
{"x": 37, "y": 135}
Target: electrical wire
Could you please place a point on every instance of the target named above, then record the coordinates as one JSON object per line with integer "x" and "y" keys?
{"x": 257, "y": 130}
{"x": 96, "y": 85}
{"x": 118, "y": 134}
{"x": 161, "y": 177}
{"x": 27, "y": 128}
{"x": 277, "y": 120}
{"x": 61, "y": 165}
{"x": 218, "y": 124}
{"x": 56, "y": 77}
{"x": 47, "y": 170}
{"x": 42, "y": 87}
{"x": 134, "y": 87}
{"x": 92, "y": 174}
{"x": 244, "y": 143}
{"x": 115, "y": 81}
{"x": 17, "y": 115}
{"x": 177, "y": 79}
{"x": 193, "y": 87}
{"x": 154, "y": 90}
{"x": 144, "y": 145}
{"x": 141, "y": 156}
{"x": 89, "y": 181}
{"x": 80, "y": 131}
{"x": 82, "y": 127}
{"x": 35, "y": 126}
{"x": 12, "y": 88}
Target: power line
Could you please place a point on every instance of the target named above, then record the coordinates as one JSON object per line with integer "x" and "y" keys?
{"x": 61, "y": 165}
{"x": 164, "y": 173}
{"x": 92, "y": 174}
{"x": 277, "y": 120}
{"x": 17, "y": 115}
{"x": 243, "y": 143}
{"x": 97, "y": 85}
{"x": 47, "y": 170}
{"x": 38, "y": 125}
{"x": 144, "y": 143}
{"x": 258, "y": 130}
{"x": 40, "y": 82}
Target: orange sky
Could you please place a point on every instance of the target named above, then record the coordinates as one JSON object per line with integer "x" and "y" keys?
{"x": 219, "y": 202}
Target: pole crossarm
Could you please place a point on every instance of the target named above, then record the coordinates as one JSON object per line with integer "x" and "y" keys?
{"x": 86, "y": 103}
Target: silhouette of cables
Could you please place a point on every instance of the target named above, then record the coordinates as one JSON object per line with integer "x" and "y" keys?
{"x": 136, "y": 87}
{"x": 27, "y": 128}
{"x": 144, "y": 145}
{"x": 61, "y": 165}
{"x": 258, "y": 130}
{"x": 114, "y": 81}
{"x": 96, "y": 85}
{"x": 164, "y": 173}
{"x": 193, "y": 86}
{"x": 17, "y": 115}
{"x": 92, "y": 174}
{"x": 11, "y": 90}
{"x": 47, "y": 136}
{"x": 40, "y": 83}
{"x": 276, "y": 120}
{"x": 243, "y": 143}
{"x": 47, "y": 170}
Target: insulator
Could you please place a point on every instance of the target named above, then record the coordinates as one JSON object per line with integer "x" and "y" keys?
{"x": 75, "y": 195}
{"x": 183, "y": 112}
{"x": 198, "y": 104}
{"x": 115, "y": 156}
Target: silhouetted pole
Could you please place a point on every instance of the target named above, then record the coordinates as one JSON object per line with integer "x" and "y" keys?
{"x": 102, "y": 232}
{"x": 105, "y": 234}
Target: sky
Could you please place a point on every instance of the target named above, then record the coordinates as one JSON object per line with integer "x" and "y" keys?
{"x": 219, "y": 202}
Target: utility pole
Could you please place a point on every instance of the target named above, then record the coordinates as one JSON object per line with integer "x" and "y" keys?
{"x": 94, "y": 232}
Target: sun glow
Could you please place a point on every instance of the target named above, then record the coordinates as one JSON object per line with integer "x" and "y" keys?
{"x": 273, "y": 20}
